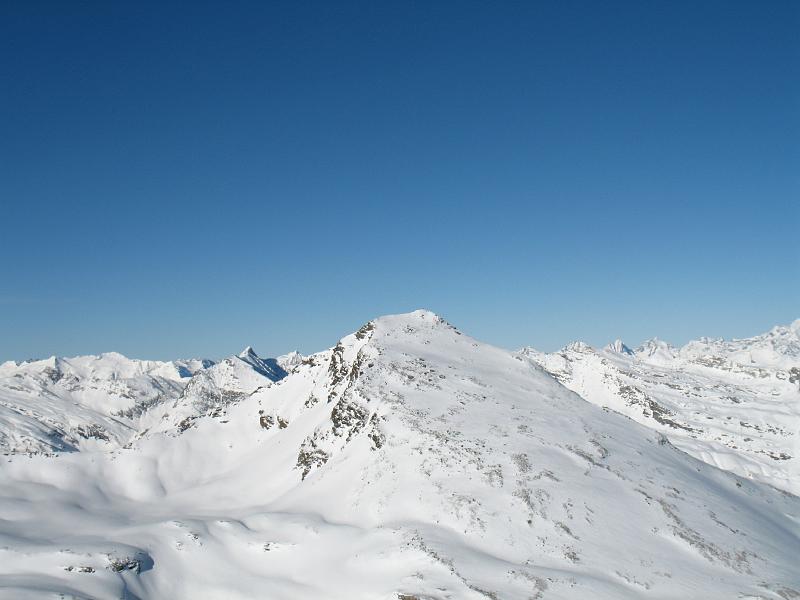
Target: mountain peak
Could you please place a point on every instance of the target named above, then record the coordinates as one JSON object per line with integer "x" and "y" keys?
{"x": 416, "y": 316}
{"x": 577, "y": 346}
{"x": 407, "y": 323}
{"x": 268, "y": 367}
{"x": 618, "y": 347}
{"x": 290, "y": 360}
{"x": 248, "y": 353}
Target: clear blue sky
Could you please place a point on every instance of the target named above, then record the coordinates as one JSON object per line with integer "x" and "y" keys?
{"x": 186, "y": 179}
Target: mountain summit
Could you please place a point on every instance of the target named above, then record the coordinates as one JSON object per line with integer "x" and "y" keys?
{"x": 618, "y": 347}
{"x": 248, "y": 353}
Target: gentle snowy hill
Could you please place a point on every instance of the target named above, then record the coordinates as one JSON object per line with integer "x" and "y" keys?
{"x": 734, "y": 404}
{"x": 408, "y": 462}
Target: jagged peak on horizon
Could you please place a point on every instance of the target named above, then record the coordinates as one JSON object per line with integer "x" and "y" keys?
{"x": 618, "y": 347}
{"x": 248, "y": 352}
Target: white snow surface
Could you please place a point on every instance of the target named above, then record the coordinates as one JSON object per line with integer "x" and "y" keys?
{"x": 734, "y": 404}
{"x": 103, "y": 402}
{"x": 291, "y": 360}
{"x": 66, "y": 404}
{"x": 408, "y": 462}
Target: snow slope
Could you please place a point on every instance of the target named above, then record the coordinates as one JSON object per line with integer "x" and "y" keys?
{"x": 407, "y": 462}
{"x": 734, "y": 404}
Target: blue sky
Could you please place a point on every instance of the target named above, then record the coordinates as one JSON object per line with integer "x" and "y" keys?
{"x": 185, "y": 180}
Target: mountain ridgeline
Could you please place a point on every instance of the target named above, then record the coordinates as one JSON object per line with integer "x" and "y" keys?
{"x": 407, "y": 462}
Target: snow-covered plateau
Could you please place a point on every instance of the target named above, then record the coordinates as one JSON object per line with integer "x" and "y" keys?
{"x": 407, "y": 462}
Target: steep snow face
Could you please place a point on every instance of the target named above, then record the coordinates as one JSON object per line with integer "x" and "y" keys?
{"x": 734, "y": 404}
{"x": 268, "y": 367}
{"x": 407, "y": 462}
{"x": 67, "y": 404}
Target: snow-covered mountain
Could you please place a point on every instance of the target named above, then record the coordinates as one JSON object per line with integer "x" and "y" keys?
{"x": 211, "y": 391}
{"x": 734, "y": 404}
{"x": 102, "y": 402}
{"x": 408, "y": 462}
{"x": 65, "y": 404}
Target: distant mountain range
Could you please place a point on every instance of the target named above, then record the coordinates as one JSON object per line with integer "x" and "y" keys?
{"x": 407, "y": 462}
{"x": 734, "y": 404}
